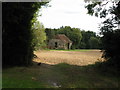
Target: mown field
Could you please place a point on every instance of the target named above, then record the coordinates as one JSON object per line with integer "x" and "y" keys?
{"x": 73, "y": 57}
{"x": 61, "y": 69}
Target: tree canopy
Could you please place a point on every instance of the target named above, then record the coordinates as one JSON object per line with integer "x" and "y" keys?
{"x": 109, "y": 29}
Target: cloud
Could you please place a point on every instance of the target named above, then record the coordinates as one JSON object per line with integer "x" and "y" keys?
{"x": 68, "y": 13}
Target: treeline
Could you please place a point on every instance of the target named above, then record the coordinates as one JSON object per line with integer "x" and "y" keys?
{"x": 81, "y": 39}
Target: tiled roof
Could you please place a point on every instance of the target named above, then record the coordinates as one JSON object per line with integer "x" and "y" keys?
{"x": 63, "y": 37}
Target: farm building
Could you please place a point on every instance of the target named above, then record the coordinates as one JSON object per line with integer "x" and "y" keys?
{"x": 60, "y": 41}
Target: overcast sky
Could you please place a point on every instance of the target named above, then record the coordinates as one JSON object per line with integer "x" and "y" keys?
{"x": 68, "y": 13}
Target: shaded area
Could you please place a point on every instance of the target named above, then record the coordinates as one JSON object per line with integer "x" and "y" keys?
{"x": 58, "y": 76}
{"x": 16, "y": 32}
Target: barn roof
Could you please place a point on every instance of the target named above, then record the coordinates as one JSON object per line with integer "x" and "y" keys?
{"x": 63, "y": 38}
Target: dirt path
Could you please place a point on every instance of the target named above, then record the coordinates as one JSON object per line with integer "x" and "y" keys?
{"x": 70, "y": 57}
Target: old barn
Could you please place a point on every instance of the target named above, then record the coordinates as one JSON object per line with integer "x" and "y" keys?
{"x": 60, "y": 41}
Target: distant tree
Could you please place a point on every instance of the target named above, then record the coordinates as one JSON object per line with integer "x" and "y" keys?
{"x": 50, "y": 33}
{"x": 94, "y": 43}
{"x": 86, "y": 42}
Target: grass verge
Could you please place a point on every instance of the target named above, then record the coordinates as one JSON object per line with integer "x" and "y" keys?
{"x": 71, "y": 50}
{"x": 61, "y": 75}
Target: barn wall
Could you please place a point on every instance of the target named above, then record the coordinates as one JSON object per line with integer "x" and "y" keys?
{"x": 60, "y": 44}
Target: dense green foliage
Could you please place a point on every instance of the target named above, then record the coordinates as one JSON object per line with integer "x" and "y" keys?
{"x": 94, "y": 42}
{"x": 111, "y": 35}
{"x": 90, "y": 40}
{"x": 16, "y": 32}
{"x": 50, "y": 33}
{"x": 111, "y": 45}
{"x": 39, "y": 36}
{"x": 81, "y": 39}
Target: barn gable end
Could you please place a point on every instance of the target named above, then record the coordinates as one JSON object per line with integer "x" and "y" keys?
{"x": 60, "y": 41}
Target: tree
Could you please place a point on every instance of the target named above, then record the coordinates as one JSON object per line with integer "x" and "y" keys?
{"x": 16, "y": 32}
{"x": 39, "y": 36}
{"x": 111, "y": 35}
{"x": 86, "y": 42}
{"x": 50, "y": 33}
{"x": 94, "y": 43}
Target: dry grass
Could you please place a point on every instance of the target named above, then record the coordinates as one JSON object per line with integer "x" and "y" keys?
{"x": 70, "y": 57}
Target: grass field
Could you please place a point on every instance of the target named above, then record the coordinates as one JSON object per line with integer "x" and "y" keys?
{"x": 60, "y": 74}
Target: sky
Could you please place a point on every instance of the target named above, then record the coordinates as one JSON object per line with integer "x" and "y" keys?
{"x": 68, "y": 13}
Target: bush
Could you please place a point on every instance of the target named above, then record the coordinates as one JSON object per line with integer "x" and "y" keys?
{"x": 111, "y": 44}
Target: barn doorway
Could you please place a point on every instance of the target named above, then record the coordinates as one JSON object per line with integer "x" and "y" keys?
{"x": 56, "y": 44}
{"x": 68, "y": 45}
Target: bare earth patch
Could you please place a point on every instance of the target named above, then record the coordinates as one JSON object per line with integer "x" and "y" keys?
{"x": 70, "y": 57}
